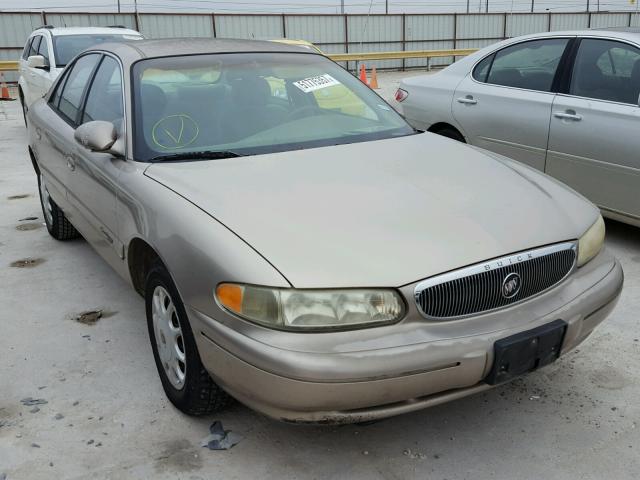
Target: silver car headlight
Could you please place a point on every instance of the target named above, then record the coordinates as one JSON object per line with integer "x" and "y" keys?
{"x": 591, "y": 242}
{"x": 293, "y": 309}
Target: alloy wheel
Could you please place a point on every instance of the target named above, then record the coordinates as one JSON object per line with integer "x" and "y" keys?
{"x": 168, "y": 336}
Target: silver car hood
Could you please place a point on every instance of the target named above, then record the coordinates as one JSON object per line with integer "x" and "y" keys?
{"x": 381, "y": 213}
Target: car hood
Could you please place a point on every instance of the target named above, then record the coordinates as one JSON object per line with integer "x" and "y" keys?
{"x": 380, "y": 213}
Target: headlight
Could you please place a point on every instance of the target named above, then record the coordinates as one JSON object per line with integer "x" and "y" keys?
{"x": 292, "y": 309}
{"x": 591, "y": 242}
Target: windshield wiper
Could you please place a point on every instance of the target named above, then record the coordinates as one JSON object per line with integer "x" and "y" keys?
{"x": 203, "y": 155}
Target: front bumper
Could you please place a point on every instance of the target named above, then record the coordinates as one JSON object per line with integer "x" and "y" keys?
{"x": 345, "y": 377}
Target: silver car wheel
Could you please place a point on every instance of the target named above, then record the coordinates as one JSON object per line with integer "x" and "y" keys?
{"x": 46, "y": 202}
{"x": 168, "y": 335}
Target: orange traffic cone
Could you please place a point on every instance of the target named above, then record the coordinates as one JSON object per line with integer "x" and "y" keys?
{"x": 363, "y": 74}
{"x": 4, "y": 90}
{"x": 374, "y": 79}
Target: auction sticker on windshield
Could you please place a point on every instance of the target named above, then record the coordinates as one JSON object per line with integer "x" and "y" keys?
{"x": 312, "y": 84}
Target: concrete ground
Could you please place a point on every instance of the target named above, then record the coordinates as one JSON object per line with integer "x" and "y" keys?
{"x": 106, "y": 416}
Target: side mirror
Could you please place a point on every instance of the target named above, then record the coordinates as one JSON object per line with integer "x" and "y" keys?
{"x": 37, "y": 61}
{"x": 100, "y": 136}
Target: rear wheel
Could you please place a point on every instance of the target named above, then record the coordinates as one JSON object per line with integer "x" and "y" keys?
{"x": 452, "y": 133}
{"x": 58, "y": 225}
{"x": 185, "y": 381}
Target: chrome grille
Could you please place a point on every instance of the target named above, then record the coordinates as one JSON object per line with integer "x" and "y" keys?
{"x": 479, "y": 288}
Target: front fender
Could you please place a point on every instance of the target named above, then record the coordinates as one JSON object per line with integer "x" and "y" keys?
{"x": 198, "y": 251}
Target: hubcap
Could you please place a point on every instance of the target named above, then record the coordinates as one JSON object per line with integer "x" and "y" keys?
{"x": 46, "y": 202}
{"x": 169, "y": 340}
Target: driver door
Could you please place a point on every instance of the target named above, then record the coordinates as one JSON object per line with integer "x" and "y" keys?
{"x": 93, "y": 180}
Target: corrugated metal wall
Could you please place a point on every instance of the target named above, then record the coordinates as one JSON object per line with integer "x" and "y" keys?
{"x": 569, "y": 21}
{"x": 332, "y": 33}
{"x": 523, "y": 24}
{"x": 249, "y": 26}
{"x": 167, "y": 26}
{"x": 90, "y": 19}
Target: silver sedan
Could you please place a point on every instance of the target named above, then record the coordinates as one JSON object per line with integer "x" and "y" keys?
{"x": 565, "y": 103}
{"x": 298, "y": 245}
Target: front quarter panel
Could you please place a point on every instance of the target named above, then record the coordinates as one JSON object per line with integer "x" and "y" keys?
{"x": 198, "y": 251}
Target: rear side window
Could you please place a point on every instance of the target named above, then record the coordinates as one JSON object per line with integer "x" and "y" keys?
{"x": 606, "y": 70}
{"x": 529, "y": 65}
{"x": 104, "y": 100}
{"x": 481, "y": 71}
{"x": 74, "y": 87}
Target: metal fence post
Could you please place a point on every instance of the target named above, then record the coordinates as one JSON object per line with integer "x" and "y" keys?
{"x": 404, "y": 37}
{"x": 213, "y": 24}
{"x": 455, "y": 33}
{"x": 284, "y": 26}
{"x": 504, "y": 26}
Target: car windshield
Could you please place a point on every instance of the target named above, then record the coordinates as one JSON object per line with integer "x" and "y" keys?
{"x": 199, "y": 106}
{"x": 68, "y": 46}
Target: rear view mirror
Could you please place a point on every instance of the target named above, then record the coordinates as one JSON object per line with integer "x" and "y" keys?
{"x": 37, "y": 61}
{"x": 99, "y": 136}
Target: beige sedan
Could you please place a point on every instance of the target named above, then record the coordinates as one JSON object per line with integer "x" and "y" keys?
{"x": 315, "y": 263}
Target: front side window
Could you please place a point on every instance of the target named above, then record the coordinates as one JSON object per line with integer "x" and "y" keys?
{"x": 104, "y": 100}
{"x": 529, "y": 65}
{"x": 606, "y": 70}
{"x": 77, "y": 79}
{"x": 35, "y": 44}
{"x": 27, "y": 49}
{"x": 66, "y": 47}
{"x": 54, "y": 101}
{"x": 253, "y": 103}
{"x": 43, "y": 49}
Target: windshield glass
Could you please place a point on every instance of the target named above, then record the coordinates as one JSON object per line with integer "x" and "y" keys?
{"x": 253, "y": 103}
{"x": 68, "y": 46}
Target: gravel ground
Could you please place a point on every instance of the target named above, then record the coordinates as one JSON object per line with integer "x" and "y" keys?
{"x": 80, "y": 397}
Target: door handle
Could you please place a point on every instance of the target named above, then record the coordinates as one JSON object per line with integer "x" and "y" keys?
{"x": 71, "y": 165}
{"x": 467, "y": 100}
{"x": 568, "y": 115}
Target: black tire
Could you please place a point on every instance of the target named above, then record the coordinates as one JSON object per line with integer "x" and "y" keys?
{"x": 199, "y": 394}
{"x": 24, "y": 108}
{"x": 451, "y": 133}
{"x": 58, "y": 226}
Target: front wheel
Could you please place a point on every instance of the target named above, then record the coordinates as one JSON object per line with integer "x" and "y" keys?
{"x": 185, "y": 381}
{"x": 25, "y": 109}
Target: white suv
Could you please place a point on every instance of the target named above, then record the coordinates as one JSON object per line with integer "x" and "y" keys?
{"x": 49, "y": 49}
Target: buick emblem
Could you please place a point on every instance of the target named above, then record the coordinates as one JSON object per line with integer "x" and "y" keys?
{"x": 511, "y": 285}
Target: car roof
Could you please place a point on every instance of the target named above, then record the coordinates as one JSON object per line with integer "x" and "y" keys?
{"x": 56, "y": 31}
{"x": 169, "y": 47}
{"x": 624, "y": 33}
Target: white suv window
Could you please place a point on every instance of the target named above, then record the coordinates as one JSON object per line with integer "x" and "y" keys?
{"x": 43, "y": 49}
{"x": 35, "y": 44}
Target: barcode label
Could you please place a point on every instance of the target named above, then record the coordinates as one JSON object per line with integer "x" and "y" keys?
{"x": 316, "y": 83}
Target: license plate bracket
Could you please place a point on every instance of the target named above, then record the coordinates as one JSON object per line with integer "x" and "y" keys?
{"x": 526, "y": 351}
